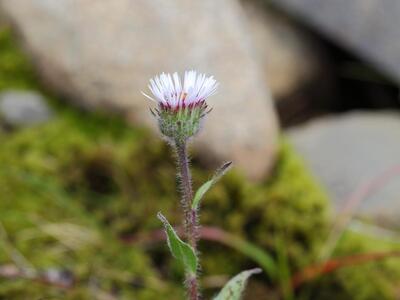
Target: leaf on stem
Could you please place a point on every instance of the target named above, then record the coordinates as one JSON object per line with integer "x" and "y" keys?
{"x": 208, "y": 184}
{"x": 233, "y": 290}
{"x": 179, "y": 249}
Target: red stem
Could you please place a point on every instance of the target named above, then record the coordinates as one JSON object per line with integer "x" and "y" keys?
{"x": 329, "y": 266}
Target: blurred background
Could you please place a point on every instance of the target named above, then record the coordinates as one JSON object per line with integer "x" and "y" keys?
{"x": 307, "y": 109}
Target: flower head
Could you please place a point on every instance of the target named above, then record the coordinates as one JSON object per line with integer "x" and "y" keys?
{"x": 181, "y": 106}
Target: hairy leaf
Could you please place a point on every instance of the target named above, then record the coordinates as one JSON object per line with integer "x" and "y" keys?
{"x": 179, "y": 249}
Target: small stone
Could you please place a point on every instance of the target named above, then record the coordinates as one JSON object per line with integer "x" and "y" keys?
{"x": 23, "y": 108}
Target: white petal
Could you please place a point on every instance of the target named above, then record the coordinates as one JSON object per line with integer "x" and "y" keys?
{"x": 171, "y": 90}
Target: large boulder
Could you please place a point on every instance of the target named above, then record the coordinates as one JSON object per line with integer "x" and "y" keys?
{"x": 100, "y": 55}
{"x": 289, "y": 57}
{"x": 352, "y": 150}
{"x": 368, "y": 27}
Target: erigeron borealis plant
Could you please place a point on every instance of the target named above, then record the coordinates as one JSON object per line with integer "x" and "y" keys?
{"x": 181, "y": 107}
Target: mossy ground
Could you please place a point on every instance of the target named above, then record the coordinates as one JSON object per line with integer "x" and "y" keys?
{"x": 71, "y": 188}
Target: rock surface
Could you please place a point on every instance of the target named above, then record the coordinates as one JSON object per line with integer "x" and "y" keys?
{"x": 369, "y": 27}
{"x": 348, "y": 151}
{"x": 23, "y": 108}
{"x": 101, "y": 54}
{"x": 288, "y": 56}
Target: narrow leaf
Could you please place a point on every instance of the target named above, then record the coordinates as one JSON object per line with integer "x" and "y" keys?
{"x": 179, "y": 249}
{"x": 208, "y": 184}
{"x": 261, "y": 257}
{"x": 233, "y": 290}
{"x": 201, "y": 192}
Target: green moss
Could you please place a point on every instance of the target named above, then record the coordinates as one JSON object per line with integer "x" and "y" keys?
{"x": 48, "y": 221}
{"x": 71, "y": 188}
{"x": 119, "y": 177}
{"x": 113, "y": 181}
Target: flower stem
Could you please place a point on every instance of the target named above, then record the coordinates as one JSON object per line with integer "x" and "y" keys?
{"x": 190, "y": 215}
{"x": 193, "y": 288}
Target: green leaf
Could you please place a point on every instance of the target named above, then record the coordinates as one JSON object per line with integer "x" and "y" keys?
{"x": 201, "y": 192}
{"x": 233, "y": 290}
{"x": 179, "y": 249}
{"x": 207, "y": 185}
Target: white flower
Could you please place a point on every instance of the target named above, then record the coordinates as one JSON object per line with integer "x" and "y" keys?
{"x": 169, "y": 92}
{"x": 181, "y": 105}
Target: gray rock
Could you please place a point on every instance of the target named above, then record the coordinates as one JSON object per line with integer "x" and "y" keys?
{"x": 23, "y": 108}
{"x": 100, "y": 54}
{"x": 289, "y": 57}
{"x": 369, "y": 27}
{"x": 348, "y": 151}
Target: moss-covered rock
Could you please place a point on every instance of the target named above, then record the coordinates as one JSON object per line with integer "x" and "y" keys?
{"x": 70, "y": 189}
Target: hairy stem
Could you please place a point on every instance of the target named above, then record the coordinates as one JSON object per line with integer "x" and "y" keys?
{"x": 190, "y": 220}
{"x": 190, "y": 215}
{"x": 193, "y": 288}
